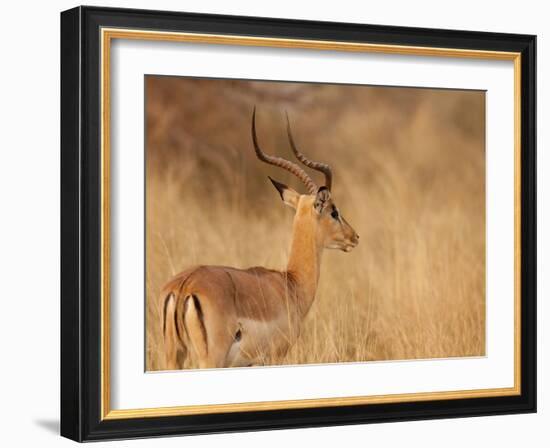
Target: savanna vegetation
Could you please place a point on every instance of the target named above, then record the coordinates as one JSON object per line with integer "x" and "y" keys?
{"x": 409, "y": 176}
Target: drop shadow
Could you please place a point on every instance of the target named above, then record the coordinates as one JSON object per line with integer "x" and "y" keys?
{"x": 50, "y": 425}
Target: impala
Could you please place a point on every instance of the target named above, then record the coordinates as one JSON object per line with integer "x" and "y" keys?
{"x": 221, "y": 316}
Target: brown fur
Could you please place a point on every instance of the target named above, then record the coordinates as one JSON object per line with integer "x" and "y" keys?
{"x": 209, "y": 305}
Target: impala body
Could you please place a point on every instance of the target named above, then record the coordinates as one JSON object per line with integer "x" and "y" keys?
{"x": 221, "y": 316}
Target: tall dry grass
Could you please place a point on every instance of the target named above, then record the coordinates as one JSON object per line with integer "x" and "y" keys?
{"x": 409, "y": 170}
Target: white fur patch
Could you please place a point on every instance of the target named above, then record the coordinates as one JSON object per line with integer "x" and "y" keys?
{"x": 259, "y": 340}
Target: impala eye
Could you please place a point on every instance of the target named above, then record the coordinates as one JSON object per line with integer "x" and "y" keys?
{"x": 335, "y": 214}
{"x": 238, "y": 335}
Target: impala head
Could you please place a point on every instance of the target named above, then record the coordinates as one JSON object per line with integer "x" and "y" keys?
{"x": 316, "y": 208}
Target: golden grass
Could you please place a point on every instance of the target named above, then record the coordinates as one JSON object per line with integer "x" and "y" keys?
{"x": 409, "y": 176}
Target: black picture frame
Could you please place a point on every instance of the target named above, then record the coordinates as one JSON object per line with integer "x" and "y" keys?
{"x": 81, "y": 227}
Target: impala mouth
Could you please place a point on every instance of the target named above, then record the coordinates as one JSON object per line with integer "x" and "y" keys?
{"x": 344, "y": 246}
{"x": 350, "y": 246}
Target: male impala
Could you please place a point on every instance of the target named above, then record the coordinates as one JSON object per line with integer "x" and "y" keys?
{"x": 226, "y": 317}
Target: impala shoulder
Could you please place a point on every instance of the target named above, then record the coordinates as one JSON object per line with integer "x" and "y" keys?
{"x": 261, "y": 271}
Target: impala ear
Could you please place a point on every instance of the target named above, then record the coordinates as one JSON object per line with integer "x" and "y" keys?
{"x": 288, "y": 195}
{"x": 321, "y": 199}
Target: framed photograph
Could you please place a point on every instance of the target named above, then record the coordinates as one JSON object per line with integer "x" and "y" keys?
{"x": 273, "y": 223}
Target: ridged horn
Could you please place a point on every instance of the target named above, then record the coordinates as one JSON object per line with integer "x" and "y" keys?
{"x": 280, "y": 162}
{"x": 322, "y": 167}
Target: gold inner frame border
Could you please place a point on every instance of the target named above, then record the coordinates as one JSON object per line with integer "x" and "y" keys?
{"x": 107, "y": 35}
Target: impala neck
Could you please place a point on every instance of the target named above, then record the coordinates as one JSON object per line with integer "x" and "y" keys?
{"x": 305, "y": 257}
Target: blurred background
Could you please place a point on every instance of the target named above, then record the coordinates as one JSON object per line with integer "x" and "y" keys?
{"x": 409, "y": 176}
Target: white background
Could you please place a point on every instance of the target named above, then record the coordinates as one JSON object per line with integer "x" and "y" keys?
{"x": 132, "y": 388}
{"x": 29, "y": 236}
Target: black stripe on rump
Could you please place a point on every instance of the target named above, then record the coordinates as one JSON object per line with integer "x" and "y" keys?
{"x": 200, "y": 313}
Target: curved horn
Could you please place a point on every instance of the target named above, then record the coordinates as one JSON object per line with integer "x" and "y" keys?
{"x": 322, "y": 167}
{"x": 280, "y": 162}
